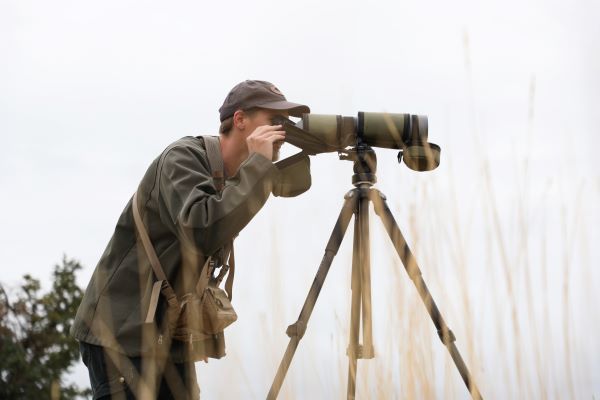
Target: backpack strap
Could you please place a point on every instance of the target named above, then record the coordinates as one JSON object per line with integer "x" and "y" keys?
{"x": 162, "y": 283}
{"x": 150, "y": 252}
{"x": 215, "y": 160}
{"x": 229, "y": 281}
{"x": 217, "y": 168}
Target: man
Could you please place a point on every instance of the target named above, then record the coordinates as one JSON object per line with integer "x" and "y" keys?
{"x": 188, "y": 218}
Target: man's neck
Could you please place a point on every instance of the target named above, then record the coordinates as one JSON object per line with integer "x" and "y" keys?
{"x": 234, "y": 151}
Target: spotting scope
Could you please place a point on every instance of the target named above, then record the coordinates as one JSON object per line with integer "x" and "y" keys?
{"x": 323, "y": 133}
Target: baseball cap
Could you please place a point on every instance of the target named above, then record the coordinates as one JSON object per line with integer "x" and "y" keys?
{"x": 262, "y": 94}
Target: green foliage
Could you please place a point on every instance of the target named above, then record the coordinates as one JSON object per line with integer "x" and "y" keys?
{"x": 35, "y": 347}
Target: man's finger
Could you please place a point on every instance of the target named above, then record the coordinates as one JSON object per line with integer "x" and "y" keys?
{"x": 266, "y": 134}
{"x": 262, "y": 130}
{"x": 277, "y": 138}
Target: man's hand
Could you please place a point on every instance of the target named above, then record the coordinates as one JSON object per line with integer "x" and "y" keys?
{"x": 263, "y": 138}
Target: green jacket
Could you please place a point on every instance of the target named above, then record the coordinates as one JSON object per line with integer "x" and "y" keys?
{"x": 187, "y": 220}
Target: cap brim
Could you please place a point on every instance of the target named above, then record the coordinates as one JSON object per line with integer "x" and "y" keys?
{"x": 294, "y": 109}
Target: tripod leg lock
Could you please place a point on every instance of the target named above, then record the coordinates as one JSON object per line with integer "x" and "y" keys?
{"x": 297, "y": 329}
{"x": 450, "y": 338}
{"x": 361, "y": 352}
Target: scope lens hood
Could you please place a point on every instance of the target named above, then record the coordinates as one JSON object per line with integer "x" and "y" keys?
{"x": 422, "y": 156}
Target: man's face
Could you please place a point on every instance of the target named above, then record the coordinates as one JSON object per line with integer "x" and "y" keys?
{"x": 263, "y": 117}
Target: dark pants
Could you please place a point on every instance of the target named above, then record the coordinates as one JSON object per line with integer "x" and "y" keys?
{"x": 116, "y": 376}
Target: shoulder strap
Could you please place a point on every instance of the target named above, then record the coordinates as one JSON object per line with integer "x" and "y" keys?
{"x": 162, "y": 282}
{"x": 217, "y": 168}
{"x": 139, "y": 224}
{"x": 215, "y": 160}
{"x": 230, "y": 275}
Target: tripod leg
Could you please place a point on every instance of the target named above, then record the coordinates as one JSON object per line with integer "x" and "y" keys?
{"x": 410, "y": 264}
{"x": 353, "y": 346}
{"x": 297, "y": 329}
{"x": 361, "y": 294}
{"x": 365, "y": 269}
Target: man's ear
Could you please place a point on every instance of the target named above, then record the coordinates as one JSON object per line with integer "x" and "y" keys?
{"x": 239, "y": 119}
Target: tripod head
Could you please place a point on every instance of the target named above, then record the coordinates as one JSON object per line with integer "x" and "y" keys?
{"x": 365, "y": 164}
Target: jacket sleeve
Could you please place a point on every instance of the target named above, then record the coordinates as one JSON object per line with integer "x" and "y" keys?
{"x": 203, "y": 217}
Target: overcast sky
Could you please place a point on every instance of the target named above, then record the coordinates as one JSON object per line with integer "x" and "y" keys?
{"x": 91, "y": 92}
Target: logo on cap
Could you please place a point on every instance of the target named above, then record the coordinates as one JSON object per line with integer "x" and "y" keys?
{"x": 274, "y": 89}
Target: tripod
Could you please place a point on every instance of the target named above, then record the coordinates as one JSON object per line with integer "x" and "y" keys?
{"x": 357, "y": 202}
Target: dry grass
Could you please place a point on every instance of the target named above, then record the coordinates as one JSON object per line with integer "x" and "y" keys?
{"x": 514, "y": 280}
{"x": 509, "y": 261}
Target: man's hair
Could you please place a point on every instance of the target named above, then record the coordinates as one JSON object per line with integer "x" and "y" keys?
{"x": 227, "y": 124}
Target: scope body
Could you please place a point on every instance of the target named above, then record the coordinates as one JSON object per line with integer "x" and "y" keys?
{"x": 321, "y": 133}
{"x": 386, "y": 130}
